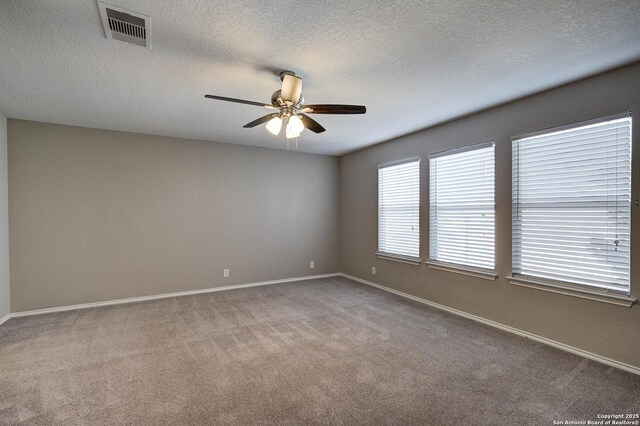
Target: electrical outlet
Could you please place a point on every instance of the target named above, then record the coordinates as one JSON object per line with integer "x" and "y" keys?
{"x": 373, "y": 270}
{"x": 225, "y": 273}
{"x": 312, "y": 264}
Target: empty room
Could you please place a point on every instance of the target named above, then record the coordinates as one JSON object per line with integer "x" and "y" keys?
{"x": 333, "y": 213}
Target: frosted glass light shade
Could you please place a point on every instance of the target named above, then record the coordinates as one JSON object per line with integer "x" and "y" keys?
{"x": 294, "y": 127}
{"x": 274, "y": 125}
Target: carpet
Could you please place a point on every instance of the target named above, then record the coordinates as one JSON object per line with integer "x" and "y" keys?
{"x": 325, "y": 351}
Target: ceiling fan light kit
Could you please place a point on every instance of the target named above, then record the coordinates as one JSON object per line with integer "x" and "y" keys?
{"x": 290, "y": 104}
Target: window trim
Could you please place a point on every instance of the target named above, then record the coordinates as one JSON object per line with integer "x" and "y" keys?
{"x": 394, "y": 256}
{"x": 572, "y": 289}
{"x": 568, "y": 288}
{"x": 462, "y": 149}
{"x": 398, "y": 162}
{"x": 486, "y": 274}
{"x": 399, "y": 258}
{"x": 572, "y": 125}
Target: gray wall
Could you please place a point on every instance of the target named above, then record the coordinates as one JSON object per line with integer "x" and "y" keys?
{"x": 608, "y": 330}
{"x": 4, "y": 222}
{"x": 98, "y": 215}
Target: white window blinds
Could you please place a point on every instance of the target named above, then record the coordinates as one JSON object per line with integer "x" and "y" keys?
{"x": 399, "y": 209}
{"x": 462, "y": 207}
{"x": 571, "y": 204}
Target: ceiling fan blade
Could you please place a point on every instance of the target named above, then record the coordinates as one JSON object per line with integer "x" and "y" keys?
{"x": 261, "y": 120}
{"x": 334, "y": 109}
{"x": 240, "y": 101}
{"x": 291, "y": 88}
{"x": 311, "y": 124}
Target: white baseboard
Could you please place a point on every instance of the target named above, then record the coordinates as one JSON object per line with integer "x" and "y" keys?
{"x": 535, "y": 337}
{"x": 562, "y": 346}
{"x": 160, "y": 296}
{"x": 5, "y": 319}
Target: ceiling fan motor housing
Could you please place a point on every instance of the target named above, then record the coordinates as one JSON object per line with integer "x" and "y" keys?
{"x": 278, "y": 102}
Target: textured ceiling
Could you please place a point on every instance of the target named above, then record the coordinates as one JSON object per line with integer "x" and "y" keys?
{"x": 412, "y": 63}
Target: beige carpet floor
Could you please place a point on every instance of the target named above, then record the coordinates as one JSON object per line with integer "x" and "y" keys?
{"x": 327, "y": 351}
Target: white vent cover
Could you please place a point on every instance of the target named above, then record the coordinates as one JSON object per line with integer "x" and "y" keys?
{"x": 125, "y": 25}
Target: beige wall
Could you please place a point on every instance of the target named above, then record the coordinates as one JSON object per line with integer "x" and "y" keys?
{"x": 607, "y": 330}
{"x": 98, "y": 215}
{"x": 4, "y": 222}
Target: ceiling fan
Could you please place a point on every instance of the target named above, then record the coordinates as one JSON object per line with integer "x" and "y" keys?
{"x": 290, "y": 105}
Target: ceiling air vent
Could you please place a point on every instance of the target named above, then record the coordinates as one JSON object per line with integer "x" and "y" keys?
{"x": 125, "y": 25}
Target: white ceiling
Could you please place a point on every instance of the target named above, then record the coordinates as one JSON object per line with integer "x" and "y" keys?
{"x": 412, "y": 63}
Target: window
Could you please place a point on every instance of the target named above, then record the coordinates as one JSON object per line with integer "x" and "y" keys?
{"x": 571, "y": 205}
{"x": 462, "y": 207}
{"x": 399, "y": 210}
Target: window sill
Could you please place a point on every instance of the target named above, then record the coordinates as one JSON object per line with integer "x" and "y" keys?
{"x": 464, "y": 270}
{"x": 598, "y": 296}
{"x": 399, "y": 258}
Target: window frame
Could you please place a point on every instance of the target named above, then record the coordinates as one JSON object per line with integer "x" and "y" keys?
{"x": 461, "y": 268}
{"x": 566, "y": 287}
{"x": 396, "y": 256}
